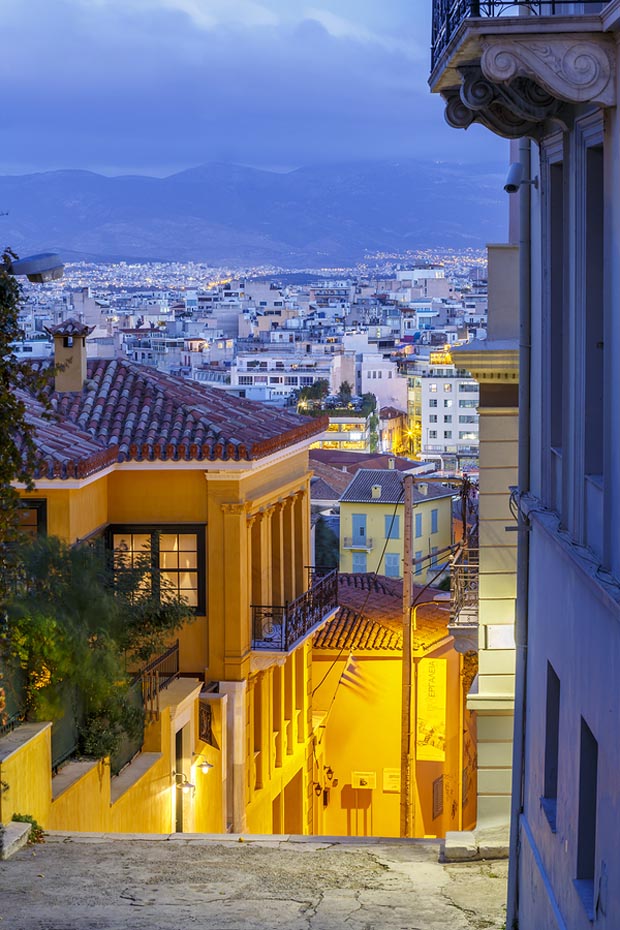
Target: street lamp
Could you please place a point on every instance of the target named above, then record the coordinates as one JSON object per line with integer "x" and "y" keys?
{"x": 39, "y": 269}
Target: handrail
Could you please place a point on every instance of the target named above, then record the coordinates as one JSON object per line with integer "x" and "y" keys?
{"x": 449, "y": 14}
{"x": 278, "y": 628}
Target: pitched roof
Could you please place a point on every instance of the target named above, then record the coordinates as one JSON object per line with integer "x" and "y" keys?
{"x": 352, "y": 461}
{"x": 371, "y": 617}
{"x": 391, "y": 483}
{"x": 328, "y": 483}
{"x": 140, "y": 414}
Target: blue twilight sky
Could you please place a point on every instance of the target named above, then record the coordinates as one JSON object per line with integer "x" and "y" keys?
{"x": 155, "y": 86}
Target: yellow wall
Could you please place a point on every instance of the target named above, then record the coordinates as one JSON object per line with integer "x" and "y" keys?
{"x": 375, "y": 530}
{"x": 361, "y": 733}
{"x": 25, "y": 773}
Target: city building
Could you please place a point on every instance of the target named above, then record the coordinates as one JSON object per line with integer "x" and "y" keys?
{"x": 372, "y": 513}
{"x": 551, "y": 80}
{"x": 218, "y": 490}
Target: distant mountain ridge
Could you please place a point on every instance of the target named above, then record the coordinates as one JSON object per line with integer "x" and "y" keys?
{"x": 229, "y": 214}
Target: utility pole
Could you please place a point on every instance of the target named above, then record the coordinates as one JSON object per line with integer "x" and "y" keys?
{"x": 407, "y": 815}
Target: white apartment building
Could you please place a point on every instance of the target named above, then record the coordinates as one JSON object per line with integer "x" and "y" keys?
{"x": 449, "y": 414}
{"x": 275, "y": 373}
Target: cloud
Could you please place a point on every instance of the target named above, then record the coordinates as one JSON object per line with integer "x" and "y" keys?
{"x": 158, "y": 85}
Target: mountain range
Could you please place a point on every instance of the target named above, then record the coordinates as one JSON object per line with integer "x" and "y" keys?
{"x": 229, "y": 214}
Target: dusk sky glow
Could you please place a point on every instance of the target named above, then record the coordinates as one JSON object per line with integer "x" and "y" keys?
{"x": 155, "y": 86}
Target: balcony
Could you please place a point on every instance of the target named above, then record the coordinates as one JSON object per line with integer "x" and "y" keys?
{"x": 464, "y": 600}
{"x": 519, "y": 68}
{"x": 282, "y": 628}
{"x": 359, "y": 544}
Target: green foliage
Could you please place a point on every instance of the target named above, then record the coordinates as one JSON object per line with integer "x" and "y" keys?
{"x": 312, "y": 395}
{"x": 70, "y": 628}
{"x": 345, "y": 393}
{"x": 36, "y": 830}
{"x": 18, "y": 452}
{"x": 326, "y": 545}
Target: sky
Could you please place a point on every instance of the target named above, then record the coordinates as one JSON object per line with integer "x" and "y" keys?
{"x": 156, "y": 86}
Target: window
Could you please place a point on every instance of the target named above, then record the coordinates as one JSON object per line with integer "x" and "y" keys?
{"x": 447, "y": 418}
{"x": 392, "y": 526}
{"x": 418, "y": 525}
{"x": 432, "y": 388}
{"x": 448, "y": 402}
{"x": 246, "y": 379}
{"x": 359, "y": 562}
{"x": 33, "y": 517}
{"x": 173, "y": 555}
{"x": 432, "y": 434}
{"x": 447, "y": 434}
{"x": 447, "y": 387}
{"x": 586, "y": 828}
{"x": 418, "y": 562}
{"x": 290, "y": 379}
{"x": 434, "y": 551}
{"x": 432, "y": 402}
{"x": 470, "y": 435}
{"x": 434, "y": 520}
{"x": 464, "y": 404}
{"x": 552, "y": 732}
{"x": 467, "y": 419}
{"x": 432, "y": 418}
{"x": 468, "y": 387}
{"x": 392, "y": 564}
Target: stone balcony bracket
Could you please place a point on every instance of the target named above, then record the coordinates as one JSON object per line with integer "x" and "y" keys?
{"x": 527, "y": 84}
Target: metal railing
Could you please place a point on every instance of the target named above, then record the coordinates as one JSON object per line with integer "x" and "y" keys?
{"x": 464, "y": 576}
{"x": 367, "y": 543}
{"x": 449, "y": 14}
{"x": 157, "y": 675}
{"x": 280, "y": 628}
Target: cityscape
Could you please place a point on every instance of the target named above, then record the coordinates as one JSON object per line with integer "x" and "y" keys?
{"x": 310, "y": 571}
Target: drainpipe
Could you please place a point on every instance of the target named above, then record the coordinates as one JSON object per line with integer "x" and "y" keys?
{"x": 521, "y": 618}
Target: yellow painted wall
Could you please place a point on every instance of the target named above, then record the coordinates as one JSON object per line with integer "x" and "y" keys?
{"x": 375, "y": 530}
{"x": 361, "y": 733}
{"x": 26, "y": 774}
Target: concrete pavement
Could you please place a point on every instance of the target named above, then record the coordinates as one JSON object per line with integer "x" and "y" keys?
{"x": 95, "y": 882}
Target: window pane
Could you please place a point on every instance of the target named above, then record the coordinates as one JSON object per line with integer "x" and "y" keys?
{"x": 187, "y": 542}
{"x": 168, "y": 542}
{"x": 188, "y": 580}
{"x": 188, "y": 560}
{"x": 168, "y": 559}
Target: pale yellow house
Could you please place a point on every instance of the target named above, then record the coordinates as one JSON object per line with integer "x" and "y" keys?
{"x": 358, "y": 662}
{"x": 372, "y": 513}
{"x": 217, "y": 489}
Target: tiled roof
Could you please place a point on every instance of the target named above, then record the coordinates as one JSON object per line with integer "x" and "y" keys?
{"x": 371, "y": 616}
{"x": 63, "y": 450}
{"x": 390, "y": 413}
{"x": 352, "y": 461}
{"x": 392, "y": 488}
{"x": 70, "y": 327}
{"x": 141, "y": 414}
{"x": 328, "y": 483}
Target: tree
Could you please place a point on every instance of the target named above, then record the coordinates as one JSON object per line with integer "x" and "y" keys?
{"x": 345, "y": 393}
{"x": 73, "y": 622}
{"x": 18, "y": 452}
{"x": 326, "y": 545}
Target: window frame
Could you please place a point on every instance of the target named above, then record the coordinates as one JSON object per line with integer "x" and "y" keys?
{"x": 153, "y": 529}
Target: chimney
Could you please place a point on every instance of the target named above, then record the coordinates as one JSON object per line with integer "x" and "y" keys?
{"x": 391, "y": 463}
{"x": 423, "y": 489}
{"x": 70, "y": 353}
{"x": 376, "y": 491}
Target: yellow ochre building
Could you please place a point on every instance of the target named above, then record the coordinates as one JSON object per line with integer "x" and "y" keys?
{"x": 218, "y": 489}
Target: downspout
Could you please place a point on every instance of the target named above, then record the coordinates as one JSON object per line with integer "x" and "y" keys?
{"x": 523, "y": 550}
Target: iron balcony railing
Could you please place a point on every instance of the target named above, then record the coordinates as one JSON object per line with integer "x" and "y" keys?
{"x": 464, "y": 588}
{"x": 281, "y": 628}
{"x": 449, "y": 14}
{"x": 358, "y": 542}
{"x": 157, "y": 675}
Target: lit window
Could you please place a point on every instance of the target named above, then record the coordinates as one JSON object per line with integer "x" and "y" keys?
{"x": 171, "y": 556}
{"x": 432, "y": 388}
{"x": 447, "y": 388}
{"x": 448, "y": 402}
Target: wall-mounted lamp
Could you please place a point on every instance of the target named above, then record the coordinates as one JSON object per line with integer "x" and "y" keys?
{"x": 204, "y": 766}
{"x": 183, "y": 783}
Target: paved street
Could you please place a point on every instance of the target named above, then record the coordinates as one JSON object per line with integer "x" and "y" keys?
{"x": 83, "y": 882}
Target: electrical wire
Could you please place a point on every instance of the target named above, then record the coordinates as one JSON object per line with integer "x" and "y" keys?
{"x": 373, "y": 576}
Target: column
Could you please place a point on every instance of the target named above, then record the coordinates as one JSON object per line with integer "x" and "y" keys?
{"x": 288, "y": 517}
{"x": 236, "y": 759}
{"x": 277, "y": 554}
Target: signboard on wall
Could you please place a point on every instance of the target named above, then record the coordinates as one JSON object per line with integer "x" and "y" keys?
{"x": 431, "y": 722}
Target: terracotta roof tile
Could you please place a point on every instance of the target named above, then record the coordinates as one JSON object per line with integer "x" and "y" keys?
{"x": 370, "y": 616}
{"x": 146, "y": 415}
{"x": 360, "y": 488}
